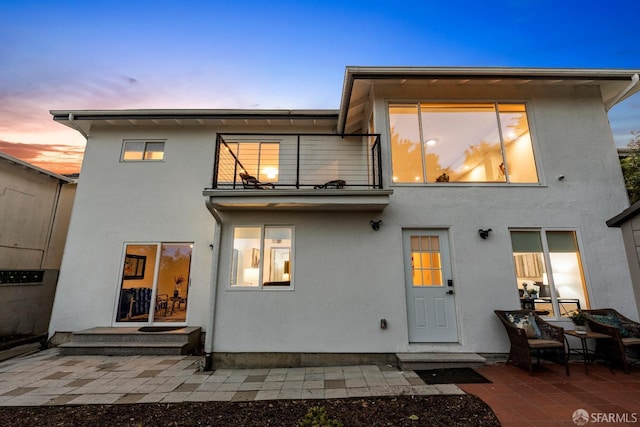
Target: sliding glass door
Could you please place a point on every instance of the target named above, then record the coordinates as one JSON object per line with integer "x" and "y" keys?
{"x": 155, "y": 283}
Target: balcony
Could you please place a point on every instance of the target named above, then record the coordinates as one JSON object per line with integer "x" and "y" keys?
{"x": 297, "y": 171}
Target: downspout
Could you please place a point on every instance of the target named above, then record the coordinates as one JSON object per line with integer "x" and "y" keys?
{"x": 72, "y": 122}
{"x": 215, "y": 262}
{"x": 623, "y": 92}
{"x": 53, "y": 216}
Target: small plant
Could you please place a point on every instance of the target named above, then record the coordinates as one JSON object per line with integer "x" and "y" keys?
{"x": 578, "y": 318}
{"x": 317, "y": 417}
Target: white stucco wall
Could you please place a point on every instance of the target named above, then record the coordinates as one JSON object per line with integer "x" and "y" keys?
{"x": 346, "y": 276}
{"x": 134, "y": 202}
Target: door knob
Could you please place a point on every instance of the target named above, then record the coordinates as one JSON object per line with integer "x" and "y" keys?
{"x": 449, "y": 292}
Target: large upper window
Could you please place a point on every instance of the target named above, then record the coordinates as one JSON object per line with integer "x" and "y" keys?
{"x": 461, "y": 142}
{"x": 142, "y": 150}
{"x": 549, "y": 273}
{"x": 262, "y": 257}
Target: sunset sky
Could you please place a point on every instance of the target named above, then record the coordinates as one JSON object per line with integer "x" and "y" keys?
{"x": 116, "y": 54}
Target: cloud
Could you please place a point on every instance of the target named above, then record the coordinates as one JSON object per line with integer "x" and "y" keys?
{"x": 56, "y": 158}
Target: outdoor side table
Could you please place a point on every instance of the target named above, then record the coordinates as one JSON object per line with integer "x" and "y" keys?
{"x": 585, "y": 349}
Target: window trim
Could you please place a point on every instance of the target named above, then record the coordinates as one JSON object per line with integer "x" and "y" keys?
{"x": 145, "y": 141}
{"x": 496, "y": 101}
{"x": 261, "y": 287}
{"x": 548, "y": 266}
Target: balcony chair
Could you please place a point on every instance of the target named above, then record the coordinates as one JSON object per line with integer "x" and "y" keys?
{"x": 252, "y": 182}
{"x": 335, "y": 184}
{"x": 625, "y": 334}
{"x": 529, "y": 333}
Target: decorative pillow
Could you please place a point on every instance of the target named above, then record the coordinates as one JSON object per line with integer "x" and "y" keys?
{"x": 537, "y": 330}
{"x": 526, "y": 322}
{"x": 611, "y": 320}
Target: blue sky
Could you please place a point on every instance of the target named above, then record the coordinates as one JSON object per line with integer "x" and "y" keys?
{"x": 278, "y": 54}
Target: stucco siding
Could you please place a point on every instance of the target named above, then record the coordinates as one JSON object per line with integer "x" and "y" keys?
{"x": 346, "y": 276}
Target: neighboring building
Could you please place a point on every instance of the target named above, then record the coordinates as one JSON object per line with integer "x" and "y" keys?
{"x": 397, "y": 223}
{"x": 35, "y": 208}
{"x": 629, "y": 222}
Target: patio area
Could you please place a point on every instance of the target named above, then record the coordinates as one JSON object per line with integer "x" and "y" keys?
{"x": 550, "y": 398}
{"x": 547, "y": 398}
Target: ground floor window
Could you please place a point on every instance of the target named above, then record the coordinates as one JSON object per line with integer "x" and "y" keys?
{"x": 549, "y": 274}
{"x": 262, "y": 257}
{"x": 155, "y": 282}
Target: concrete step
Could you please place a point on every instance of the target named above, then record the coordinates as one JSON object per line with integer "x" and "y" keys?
{"x": 123, "y": 348}
{"x": 133, "y": 334}
{"x": 425, "y": 361}
{"x": 130, "y": 341}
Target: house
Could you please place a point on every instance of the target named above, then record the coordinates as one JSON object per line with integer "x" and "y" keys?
{"x": 395, "y": 224}
{"x": 35, "y": 208}
{"x": 629, "y": 223}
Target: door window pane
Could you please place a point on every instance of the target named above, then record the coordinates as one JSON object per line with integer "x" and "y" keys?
{"x": 426, "y": 261}
{"x": 173, "y": 282}
{"x": 136, "y": 289}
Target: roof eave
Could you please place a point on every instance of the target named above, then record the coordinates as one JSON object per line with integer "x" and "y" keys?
{"x": 353, "y": 73}
{"x": 27, "y": 165}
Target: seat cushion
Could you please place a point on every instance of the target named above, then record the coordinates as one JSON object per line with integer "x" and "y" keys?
{"x": 540, "y": 343}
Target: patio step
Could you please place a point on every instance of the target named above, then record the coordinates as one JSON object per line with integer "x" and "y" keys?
{"x": 425, "y": 361}
{"x": 131, "y": 341}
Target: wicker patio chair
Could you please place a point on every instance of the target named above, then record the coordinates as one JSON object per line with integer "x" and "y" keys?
{"x": 548, "y": 345}
{"x": 625, "y": 334}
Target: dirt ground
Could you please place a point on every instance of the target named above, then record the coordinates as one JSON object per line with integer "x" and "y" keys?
{"x": 450, "y": 410}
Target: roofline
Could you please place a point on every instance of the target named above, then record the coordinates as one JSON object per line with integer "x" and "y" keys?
{"x": 623, "y": 216}
{"x": 491, "y": 72}
{"x": 169, "y": 114}
{"x": 36, "y": 168}
{"x": 353, "y": 73}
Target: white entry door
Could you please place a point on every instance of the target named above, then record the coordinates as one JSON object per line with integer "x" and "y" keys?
{"x": 431, "y": 308}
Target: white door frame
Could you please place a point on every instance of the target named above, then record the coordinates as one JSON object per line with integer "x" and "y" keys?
{"x": 431, "y": 305}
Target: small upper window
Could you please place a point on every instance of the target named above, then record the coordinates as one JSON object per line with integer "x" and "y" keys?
{"x": 143, "y": 150}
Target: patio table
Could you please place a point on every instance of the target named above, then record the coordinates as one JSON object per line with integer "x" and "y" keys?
{"x": 585, "y": 351}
